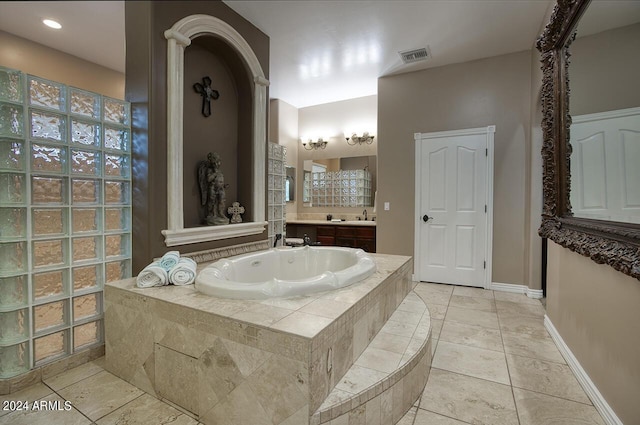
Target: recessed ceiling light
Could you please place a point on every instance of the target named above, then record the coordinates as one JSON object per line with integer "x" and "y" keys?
{"x": 52, "y": 24}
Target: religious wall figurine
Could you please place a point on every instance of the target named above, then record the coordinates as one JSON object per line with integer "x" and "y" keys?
{"x": 236, "y": 210}
{"x": 207, "y": 94}
{"x": 212, "y": 190}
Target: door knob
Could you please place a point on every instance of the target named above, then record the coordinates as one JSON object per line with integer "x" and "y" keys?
{"x": 426, "y": 218}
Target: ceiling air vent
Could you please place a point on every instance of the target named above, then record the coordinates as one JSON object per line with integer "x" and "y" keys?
{"x": 414, "y": 55}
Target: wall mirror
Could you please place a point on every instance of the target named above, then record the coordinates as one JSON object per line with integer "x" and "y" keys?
{"x": 339, "y": 182}
{"x": 591, "y": 131}
{"x": 605, "y": 112}
{"x": 290, "y": 184}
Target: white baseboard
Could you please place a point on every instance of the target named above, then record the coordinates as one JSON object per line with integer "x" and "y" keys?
{"x": 507, "y": 287}
{"x": 601, "y": 405}
{"x": 517, "y": 289}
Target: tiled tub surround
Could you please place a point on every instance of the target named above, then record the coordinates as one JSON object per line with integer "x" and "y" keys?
{"x": 243, "y": 361}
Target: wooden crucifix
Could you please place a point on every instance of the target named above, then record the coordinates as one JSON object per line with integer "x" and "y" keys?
{"x": 207, "y": 94}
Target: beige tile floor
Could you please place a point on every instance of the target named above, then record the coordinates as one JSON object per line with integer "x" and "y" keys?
{"x": 493, "y": 364}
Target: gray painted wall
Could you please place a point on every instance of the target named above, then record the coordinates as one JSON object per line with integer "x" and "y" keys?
{"x": 604, "y": 71}
{"x": 595, "y": 310}
{"x": 494, "y": 91}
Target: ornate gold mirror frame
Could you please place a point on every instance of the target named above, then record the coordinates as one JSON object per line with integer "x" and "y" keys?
{"x": 605, "y": 242}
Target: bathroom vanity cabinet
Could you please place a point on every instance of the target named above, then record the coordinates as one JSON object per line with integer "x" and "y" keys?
{"x": 360, "y": 235}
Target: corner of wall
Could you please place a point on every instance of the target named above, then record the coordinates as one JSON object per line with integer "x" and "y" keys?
{"x": 283, "y": 130}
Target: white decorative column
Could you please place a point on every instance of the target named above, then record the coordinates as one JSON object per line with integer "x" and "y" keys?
{"x": 259, "y": 153}
{"x": 175, "y": 81}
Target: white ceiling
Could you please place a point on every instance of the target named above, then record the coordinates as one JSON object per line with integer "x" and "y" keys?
{"x": 321, "y": 51}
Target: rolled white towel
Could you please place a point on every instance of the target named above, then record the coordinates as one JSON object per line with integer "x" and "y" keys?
{"x": 183, "y": 273}
{"x": 169, "y": 260}
{"x": 152, "y": 275}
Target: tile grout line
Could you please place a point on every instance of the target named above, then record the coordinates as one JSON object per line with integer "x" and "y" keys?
{"x": 118, "y": 408}
{"x": 534, "y": 358}
{"x": 476, "y": 309}
{"x": 538, "y": 359}
{"x": 64, "y": 398}
{"x": 444, "y": 320}
{"x": 444, "y": 416}
{"x": 78, "y": 381}
{"x": 434, "y": 348}
{"x": 513, "y": 395}
{"x": 546, "y": 394}
{"x": 505, "y": 359}
{"x": 473, "y": 346}
{"x": 83, "y": 379}
{"x": 471, "y": 376}
{"x": 555, "y": 396}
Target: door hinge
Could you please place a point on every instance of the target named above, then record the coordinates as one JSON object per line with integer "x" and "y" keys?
{"x": 486, "y": 152}
{"x": 485, "y": 208}
{"x": 485, "y": 264}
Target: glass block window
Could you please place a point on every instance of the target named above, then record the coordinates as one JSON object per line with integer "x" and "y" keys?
{"x": 342, "y": 188}
{"x": 276, "y": 201}
{"x": 65, "y": 216}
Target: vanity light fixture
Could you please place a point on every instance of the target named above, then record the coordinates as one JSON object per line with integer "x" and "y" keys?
{"x": 315, "y": 144}
{"x": 358, "y": 140}
{"x": 52, "y": 24}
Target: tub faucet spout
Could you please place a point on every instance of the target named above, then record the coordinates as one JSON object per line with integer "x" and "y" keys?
{"x": 365, "y": 214}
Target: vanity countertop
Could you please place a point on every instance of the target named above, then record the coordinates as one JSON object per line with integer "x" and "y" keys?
{"x": 334, "y": 223}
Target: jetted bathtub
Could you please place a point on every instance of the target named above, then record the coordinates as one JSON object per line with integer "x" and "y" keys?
{"x": 285, "y": 272}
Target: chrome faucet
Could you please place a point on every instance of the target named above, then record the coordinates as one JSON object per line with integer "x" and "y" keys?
{"x": 306, "y": 240}
{"x": 365, "y": 214}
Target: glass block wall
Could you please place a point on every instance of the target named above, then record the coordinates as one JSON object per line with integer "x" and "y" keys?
{"x": 343, "y": 188}
{"x": 65, "y": 216}
{"x": 276, "y": 175}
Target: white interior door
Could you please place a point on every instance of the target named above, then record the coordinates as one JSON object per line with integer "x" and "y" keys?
{"x": 605, "y": 165}
{"x": 452, "y": 206}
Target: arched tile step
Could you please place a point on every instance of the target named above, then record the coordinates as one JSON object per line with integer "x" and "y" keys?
{"x": 389, "y": 375}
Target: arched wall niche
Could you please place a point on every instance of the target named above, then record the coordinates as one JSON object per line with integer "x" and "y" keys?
{"x": 179, "y": 37}
{"x": 226, "y": 131}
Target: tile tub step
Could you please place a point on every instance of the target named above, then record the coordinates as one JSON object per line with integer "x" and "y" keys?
{"x": 389, "y": 375}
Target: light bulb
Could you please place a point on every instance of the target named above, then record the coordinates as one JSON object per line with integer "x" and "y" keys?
{"x": 52, "y": 24}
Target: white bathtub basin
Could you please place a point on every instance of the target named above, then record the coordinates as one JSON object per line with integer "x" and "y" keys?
{"x": 285, "y": 272}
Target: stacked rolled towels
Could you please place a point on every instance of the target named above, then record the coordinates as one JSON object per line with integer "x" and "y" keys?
{"x": 152, "y": 275}
{"x": 170, "y": 269}
{"x": 169, "y": 260}
{"x": 184, "y": 272}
